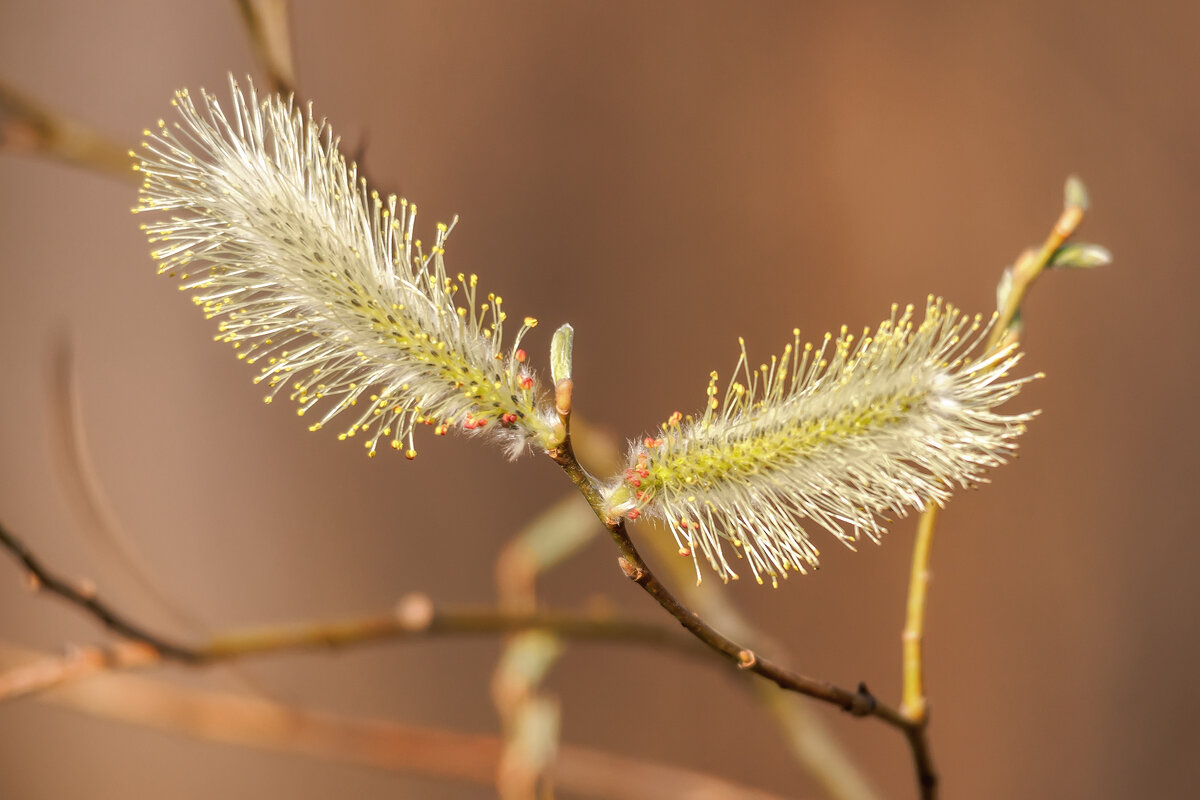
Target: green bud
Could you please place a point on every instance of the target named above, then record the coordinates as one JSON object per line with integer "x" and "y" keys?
{"x": 1081, "y": 256}
{"x": 560, "y": 353}
{"x": 1075, "y": 193}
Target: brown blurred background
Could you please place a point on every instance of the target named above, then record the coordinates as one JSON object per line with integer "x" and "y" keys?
{"x": 666, "y": 177}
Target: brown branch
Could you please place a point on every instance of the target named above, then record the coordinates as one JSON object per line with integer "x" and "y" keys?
{"x": 415, "y": 616}
{"x": 859, "y": 703}
{"x": 811, "y": 743}
{"x": 85, "y": 598}
{"x": 434, "y": 753}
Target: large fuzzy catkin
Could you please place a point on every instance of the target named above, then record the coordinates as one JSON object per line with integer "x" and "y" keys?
{"x": 842, "y": 435}
{"x": 320, "y": 281}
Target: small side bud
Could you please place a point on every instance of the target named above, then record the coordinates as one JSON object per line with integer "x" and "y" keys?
{"x": 1081, "y": 256}
{"x": 634, "y": 573}
{"x": 415, "y": 611}
{"x": 560, "y": 353}
{"x": 1075, "y": 194}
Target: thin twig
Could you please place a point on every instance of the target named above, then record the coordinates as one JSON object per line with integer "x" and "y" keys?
{"x": 812, "y": 744}
{"x": 1025, "y": 271}
{"x": 913, "y": 700}
{"x": 1031, "y": 264}
{"x": 417, "y": 617}
{"x": 51, "y": 672}
{"x": 561, "y": 531}
{"x": 860, "y": 702}
{"x": 86, "y": 599}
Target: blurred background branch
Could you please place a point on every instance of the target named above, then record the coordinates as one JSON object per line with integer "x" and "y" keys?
{"x": 269, "y": 30}
{"x": 29, "y": 127}
{"x": 260, "y": 724}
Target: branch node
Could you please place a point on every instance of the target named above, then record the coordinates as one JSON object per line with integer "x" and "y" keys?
{"x": 864, "y": 702}
{"x": 415, "y": 611}
{"x": 631, "y": 572}
{"x": 86, "y": 588}
{"x": 746, "y": 659}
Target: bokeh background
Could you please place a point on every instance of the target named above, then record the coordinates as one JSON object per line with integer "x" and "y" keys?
{"x": 665, "y": 176}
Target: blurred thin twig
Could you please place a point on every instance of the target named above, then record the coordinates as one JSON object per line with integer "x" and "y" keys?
{"x": 267, "y": 25}
{"x": 26, "y": 126}
{"x": 529, "y": 717}
{"x": 85, "y": 490}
